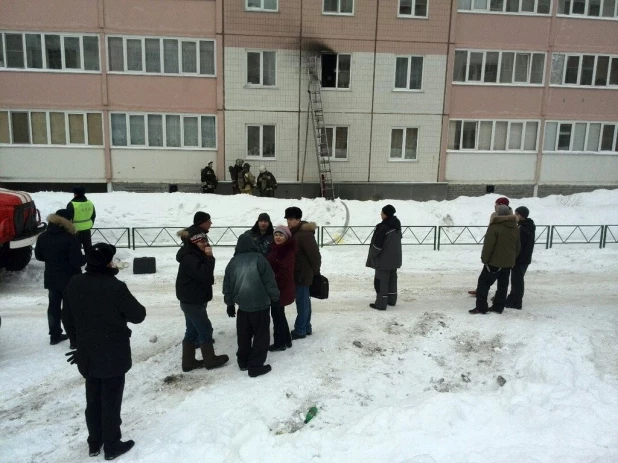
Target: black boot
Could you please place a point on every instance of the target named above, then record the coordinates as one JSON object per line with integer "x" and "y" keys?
{"x": 118, "y": 448}
{"x": 55, "y": 340}
{"x": 94, "y": 449}
{"x": 275, "y": 348}
{"x": 259, "y": 371}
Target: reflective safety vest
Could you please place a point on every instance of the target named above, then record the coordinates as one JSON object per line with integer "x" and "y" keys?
{"x": 82, "y": 217}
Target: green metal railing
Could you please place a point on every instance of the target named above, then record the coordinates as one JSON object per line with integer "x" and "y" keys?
{"x": 361, "y": 235}
{"x": 577, "y": 234}
{"x": 610, "y": 232}
{"x": 166, "y": 237}
{"x": 111, "y": 236}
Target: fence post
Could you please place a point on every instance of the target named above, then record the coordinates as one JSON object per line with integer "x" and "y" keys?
{"x": 133, "y": 237}
{"x": 603, "y": 231}
{"x": 128, "y": 238}
{"x": 439, "y": 233}
{"x": 435, "y": 237}
{"x": 551, "y": 236}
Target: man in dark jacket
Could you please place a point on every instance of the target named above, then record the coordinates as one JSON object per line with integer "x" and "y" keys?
{"x": 385, "y": 257}
{"x": 527, "y": 233}
{"x": 308, "y": 262}
{"x": 209, "y": 179}
{"x": 97, "y": 308}
{"x": 262, "y": 233}
{"x": 250, "y": 283}
{"x": 500, "y": 248}
{"x": 82, "y": 213}
{"x": 235, "y": 172}
{"x": 59, "y": 248}
{"x": 266, "y": 183}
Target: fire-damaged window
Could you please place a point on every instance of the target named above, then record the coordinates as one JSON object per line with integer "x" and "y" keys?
{"x": 336, "y": 70}
{"x": 345, "y": 7}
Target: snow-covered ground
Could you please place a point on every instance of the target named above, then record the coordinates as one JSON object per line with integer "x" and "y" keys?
{"x": 417, "y": 383}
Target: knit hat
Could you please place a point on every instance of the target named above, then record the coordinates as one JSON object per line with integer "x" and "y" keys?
{"x": 263, "y": 217}
{"x": 64, "y": 213}
{"x": 210, "y": 163}
{"x": 389, "y": 210}
{"x": 293, "y": 213}
{"x": 196, "y": 234}
{"x": 200, "y": 217}
{"x": 262, "y": 169}
{"x": 523, "y": 211}
{"x": 503, "y": 210}
{"x": 100, "y": 255}
{"x": 502, "y": 200}
{"x": 285, "y": 231}
{"x": 79, "y": 190}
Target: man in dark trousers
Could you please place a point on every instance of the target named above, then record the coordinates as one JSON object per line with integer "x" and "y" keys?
{"x": 500, "y": 248}
{"x": 385, "y": 256}
{"x": 527, "y": 233}
{"x": 235, "y": 172}
{"x": 83, "y": 214}
{"x": 307, "y": 266}
{"x": 262, "y": 233}
{"x": 209, "y": 179}
{"x": 97, "y": 308}
{"x": 59, "y": 248}
{"x": 266, "y": 183}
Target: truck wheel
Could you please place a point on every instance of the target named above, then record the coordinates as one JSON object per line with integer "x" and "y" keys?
{"x": 14, "y": 260}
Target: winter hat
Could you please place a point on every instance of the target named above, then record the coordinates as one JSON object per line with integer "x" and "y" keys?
{"x": 502, "y": 200}
{"x": 196, "y": 234}
{"x": 200, "y": 217}
{"x": 64, "y": 213}
{"x": 246, "y": 165}
{"x": 79, "y": 190}
{"x": 389, "y": 210}
{"x": 100, "y": 255}
{"x": 293, "y": 213}
{"x": 263, "y": 217}
{"x": 262, "y": 169}
{"x": 210, "y": 163}
{"x": 523, "y": 211}
{"x": 285, "y": 231}
{"x": 503, "y": 210}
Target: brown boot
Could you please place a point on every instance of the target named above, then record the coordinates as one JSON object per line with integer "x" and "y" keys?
{"x": 210, "y": 359}
{"x": 188, "y": 358}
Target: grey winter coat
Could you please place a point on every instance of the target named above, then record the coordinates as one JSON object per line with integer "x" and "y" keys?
{"x": 249, "y": 279}
{"x": 385, "y": 249}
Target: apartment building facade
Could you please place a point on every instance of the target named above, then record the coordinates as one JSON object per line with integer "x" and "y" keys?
{"x": 422, "y": 98}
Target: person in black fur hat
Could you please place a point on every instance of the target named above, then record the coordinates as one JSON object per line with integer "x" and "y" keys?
{"x": 97, "y": 308}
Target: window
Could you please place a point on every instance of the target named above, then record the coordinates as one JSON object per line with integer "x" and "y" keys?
{"x": 493, "y": 135}
{"x": 188, "y": 57}
{"x": 262, "y": 68}
{"x": 403, "y": 144}
{"x": 261, "y": 141}
{"x": 51, "y": 128}
{"x": 499, "y": 67}
{"x": 32, "y": 51}
{"x": 584, "y": 70}
{"x": 337, "y": 139}
{"x": 336, "y": 70}
{"x": 506, "y": 6}
{"x": 261, "y": 5}
{"x": 588, "y": 8}
{"x": 413, "y": 8}
{"x": 344, "y": 7}
{"x": 409, "y": 72}
{"x": 163, "y": 131}
{"x": 593, "y": 137}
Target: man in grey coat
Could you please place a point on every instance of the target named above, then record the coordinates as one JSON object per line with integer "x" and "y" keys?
{"x": 385, "y": 257}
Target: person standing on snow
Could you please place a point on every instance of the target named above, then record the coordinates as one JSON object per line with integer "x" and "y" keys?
{"x": 385, "y": 256}
{"x": 97, "y": 308}
{"x": 246, "y": 180}
{"x": 262, "y": 233}
{"x": 82, "y": 213}
{"x": 307, "y": 266}
{"x": 61, "y": 251}
{"x": 282, "y": 258}
{"x": 235, "y": 172}
{"x": 250, "y": 283}
{"x": 527, "y": 233}
{"x": 266, "y": 183}
{"x": 209, "y": 179}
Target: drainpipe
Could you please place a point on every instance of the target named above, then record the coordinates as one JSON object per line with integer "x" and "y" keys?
{"x": 373, "y": 89}
{"x": 107, "y": 138}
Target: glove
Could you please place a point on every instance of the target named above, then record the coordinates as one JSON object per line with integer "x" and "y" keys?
{"x": 274, "y": 305}
{"x": 231, "y": 311}
{"x": 71, "y": 357}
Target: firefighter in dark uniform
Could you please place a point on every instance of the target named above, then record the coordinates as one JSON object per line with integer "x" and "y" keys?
{"x": 266, "y": 183}
{"x": 209, "y": 179}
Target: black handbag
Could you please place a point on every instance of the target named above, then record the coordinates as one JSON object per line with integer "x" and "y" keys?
{"x": 319, "y": 287}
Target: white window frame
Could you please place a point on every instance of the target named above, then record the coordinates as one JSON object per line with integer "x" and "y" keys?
{"x": 412, "y": 15}
{"x": 261, "y": 84}
{"x": 44, "y": 68}
{"x": 331, "y": 143}
{"x": 403, "y": 144}
{"x": 500, "y": 54}
{"x": 579, "y": 70}
{"x": 408, "y": 89}
{"x": 164, "y": 129}
{"x": 49, "y": 144}
{"x": 338, "y": 12}
{"x": 261, "y": 8}
{"x": 336, "y": 87}
{"x": 261, "y": 156}
{"x": 493, "y": 134}
{"x": 162, "y": 72}
{"x": 611, "y": 152}
{"x": 585, "y": 15}
{"x": 487, "y": 10}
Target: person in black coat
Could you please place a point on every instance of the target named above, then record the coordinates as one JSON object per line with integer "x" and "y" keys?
{"x": 60, "y": 249}
{"x": 97, "y": 308}
{"x": 527, "y": 234}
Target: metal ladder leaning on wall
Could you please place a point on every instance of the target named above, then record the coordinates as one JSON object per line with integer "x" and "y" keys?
{"x": 316, "y": 110}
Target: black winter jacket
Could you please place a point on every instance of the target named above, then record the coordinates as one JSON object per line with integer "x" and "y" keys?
{"x": 97, "y": 307}
{"x": 527, "y": 233}
{"x": 263, "y": 242}
{"x": 385, "y": 249}
{"x": 61, "y": 251}
{"x": 196, "y": 274}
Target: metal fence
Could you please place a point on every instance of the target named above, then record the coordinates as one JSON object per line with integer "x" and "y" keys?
{"x": 610, "y": 235}
{"x": 475, "y": 234}
{"x": 577, "y": 234}
{"x": 115, "y": 236}
{"x": 361, "y": 234}
{"x": 166, "y": 237}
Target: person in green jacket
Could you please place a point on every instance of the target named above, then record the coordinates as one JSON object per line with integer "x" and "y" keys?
{"x": 250, "y": 283}
{"x": 83, "y": 214}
